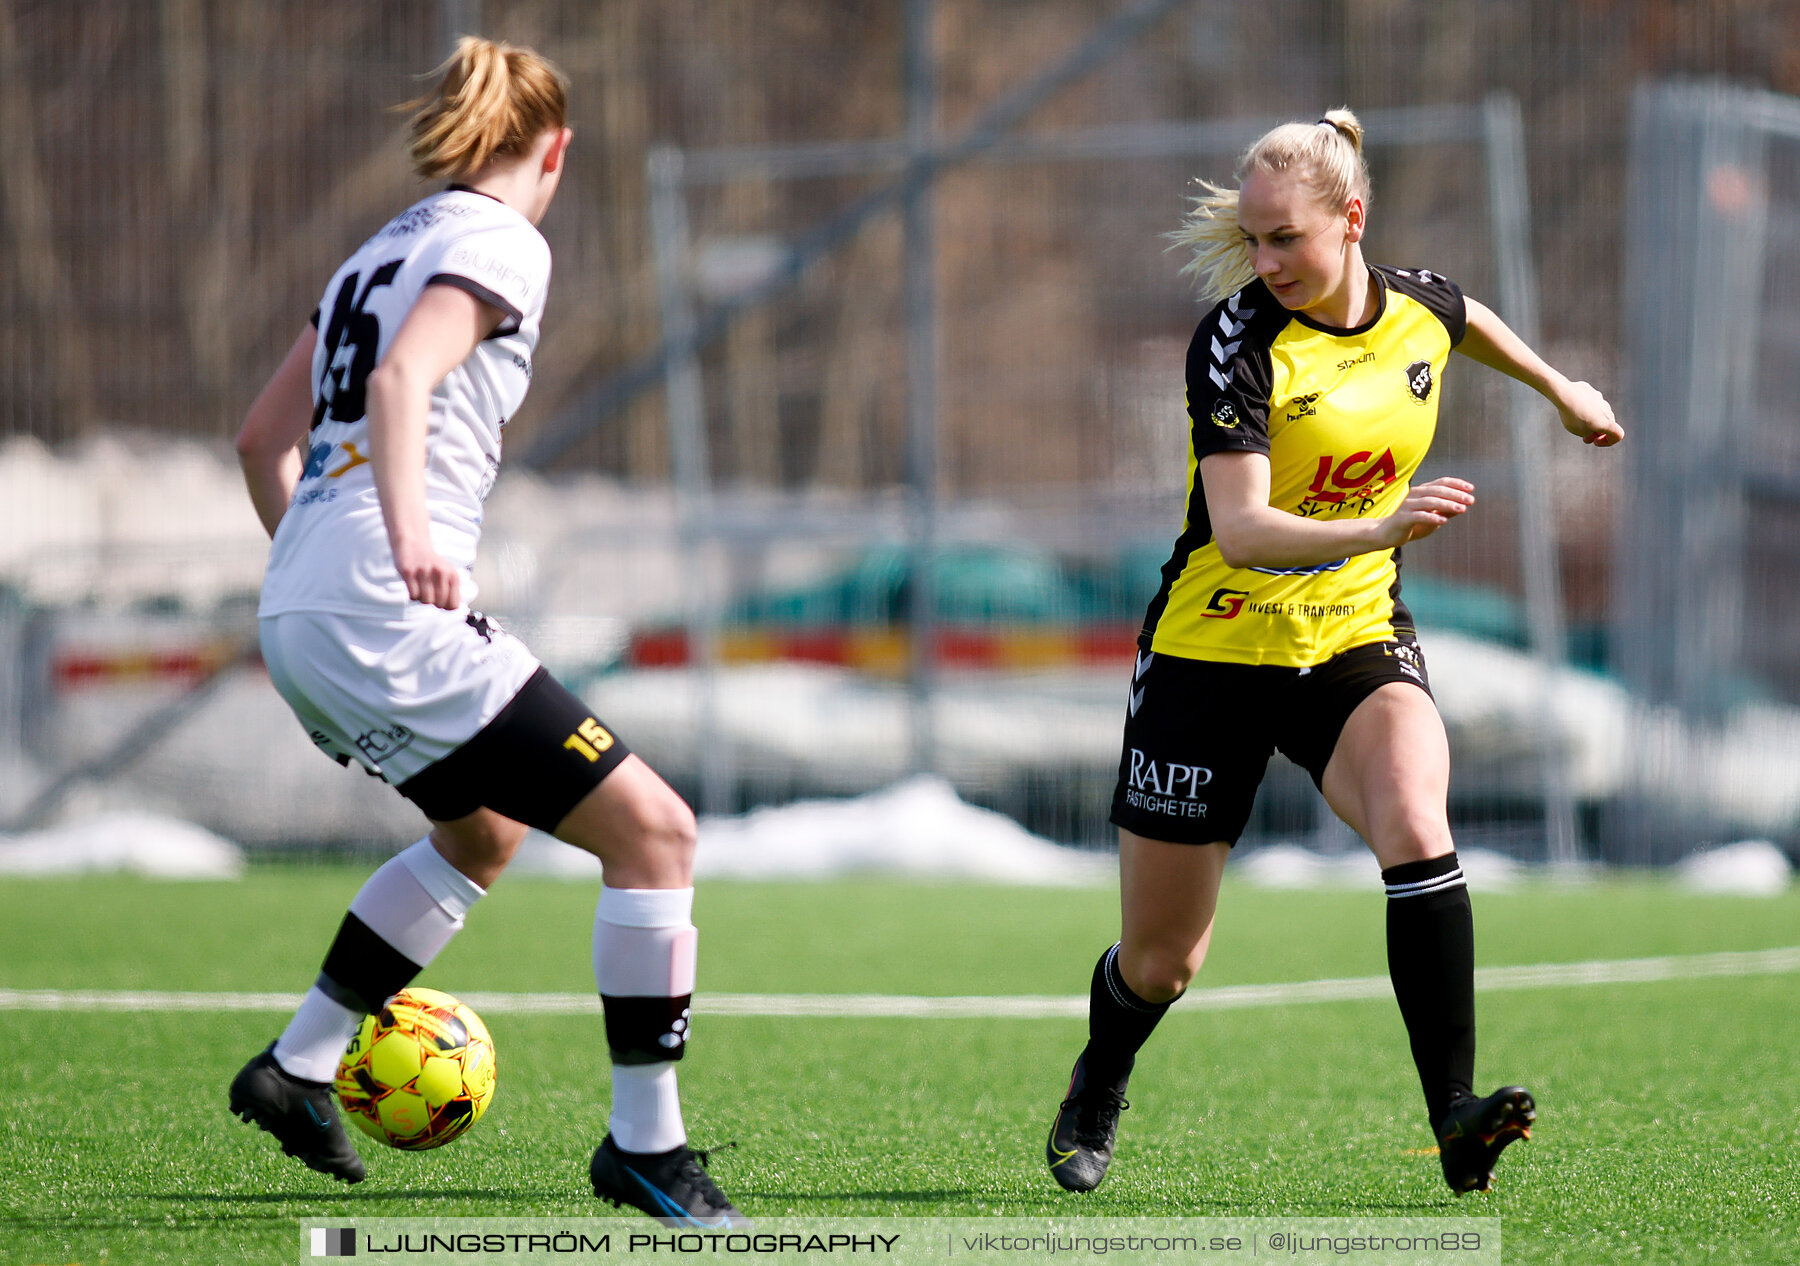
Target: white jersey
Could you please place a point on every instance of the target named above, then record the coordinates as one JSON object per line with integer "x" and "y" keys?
{"x": 331, "y": 551}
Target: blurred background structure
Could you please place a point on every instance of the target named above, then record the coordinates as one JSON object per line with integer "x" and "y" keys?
{"x": 857, "y": 435}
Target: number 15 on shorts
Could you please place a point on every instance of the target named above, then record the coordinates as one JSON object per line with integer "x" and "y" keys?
{"x": 590, "y": 739}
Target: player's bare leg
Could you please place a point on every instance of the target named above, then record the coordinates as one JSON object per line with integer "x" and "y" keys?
{"x": 1167, "y": 896}
{"x": 480, "y": 846}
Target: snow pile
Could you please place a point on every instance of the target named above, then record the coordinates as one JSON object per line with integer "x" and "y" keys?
{"x": 1290, "y": 866}
{"x": 138, "y": 843}
{"x": 1502, "y": 708}
{"x": 1749, "y": 868}
{"x": 918, "y": 828}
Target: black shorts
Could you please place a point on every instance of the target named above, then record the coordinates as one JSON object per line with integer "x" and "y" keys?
{"x": 533, "y": 762}
{"x": 1198, "y": 733}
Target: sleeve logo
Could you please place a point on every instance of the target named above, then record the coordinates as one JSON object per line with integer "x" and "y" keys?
{"x": 1223, "y": 415}
{"x": 1419, "y": 380}
{"x": 493, "y": 270}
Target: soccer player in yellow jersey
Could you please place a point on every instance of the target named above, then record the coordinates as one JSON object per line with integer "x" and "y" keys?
{"x": 1312, "y": 387}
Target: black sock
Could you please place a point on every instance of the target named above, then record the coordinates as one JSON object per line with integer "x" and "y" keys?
{"x": 1119, "y": 1022}
{"x": 361, "y": 969}
{"x": 1431, "y": 958}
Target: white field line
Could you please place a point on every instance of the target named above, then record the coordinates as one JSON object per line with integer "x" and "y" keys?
{"x": 1771, "y": 962}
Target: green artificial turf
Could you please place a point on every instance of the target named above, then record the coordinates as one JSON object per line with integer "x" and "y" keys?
{"x": 1670, "y": 1111}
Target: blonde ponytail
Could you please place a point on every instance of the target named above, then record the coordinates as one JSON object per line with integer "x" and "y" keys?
{"x": 492, "y": 99}
{"x": 1327, "y": 155}
{"x": 1220, "y": 260}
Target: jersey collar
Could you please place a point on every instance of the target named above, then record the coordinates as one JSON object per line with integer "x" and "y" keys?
{"x": 1352, "y": 331}
{"x": 462, "y": 188}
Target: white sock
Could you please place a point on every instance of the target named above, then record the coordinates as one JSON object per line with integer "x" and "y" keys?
{"x": 415, "y": 902}
{"x": 644, "y": 947}
{"x": 646, "y": 1111}
{"x": 314, "y": 1040}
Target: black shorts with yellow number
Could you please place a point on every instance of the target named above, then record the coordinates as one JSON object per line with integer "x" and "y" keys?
{"x": 1198, "y": 733}
{"x": 533, "y": 762}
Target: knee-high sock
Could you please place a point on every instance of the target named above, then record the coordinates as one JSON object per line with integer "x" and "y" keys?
{"x": 644, "y": 953}
{"x": 1431, "y": 958}
{"x": 1119, "y": 1023}
{"x": 403, "y": 915}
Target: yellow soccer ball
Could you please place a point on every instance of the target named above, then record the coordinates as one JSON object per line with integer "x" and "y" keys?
{"x": 419, "y": 1072}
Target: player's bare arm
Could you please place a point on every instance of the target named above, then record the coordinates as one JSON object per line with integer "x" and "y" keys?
{"x": 1585, "y": 413}
{"x": 268, "y": 443}
{"x": 443, "y": 327}
{"x": 1253, "y": 533}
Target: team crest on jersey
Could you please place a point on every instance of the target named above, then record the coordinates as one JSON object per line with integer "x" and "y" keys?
{"x": 1223, "y": 415}
{"x": 1419, "y": 380}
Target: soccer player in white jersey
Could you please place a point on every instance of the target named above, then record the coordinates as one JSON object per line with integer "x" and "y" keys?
{"x": 368, "y": 455}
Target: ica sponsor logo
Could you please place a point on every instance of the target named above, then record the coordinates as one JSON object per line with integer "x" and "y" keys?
{"x": 1357, "y": 477}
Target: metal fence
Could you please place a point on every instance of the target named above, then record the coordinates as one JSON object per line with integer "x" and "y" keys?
{"x": 1094, "y": 488}
{"x": 1705, "y": 592}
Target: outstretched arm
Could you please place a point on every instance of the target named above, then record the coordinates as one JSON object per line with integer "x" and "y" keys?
{"x": 1584, "y": 410}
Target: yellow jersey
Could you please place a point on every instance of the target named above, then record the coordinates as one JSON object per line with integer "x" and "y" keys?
{"x": 1345, "y": 416}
